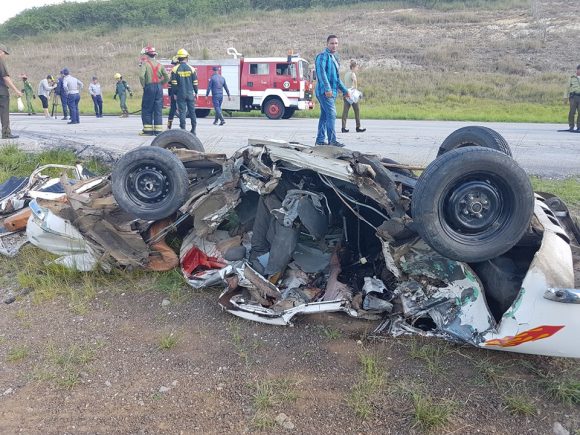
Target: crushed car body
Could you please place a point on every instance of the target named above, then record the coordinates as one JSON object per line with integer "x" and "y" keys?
{"x": 465, "y": 252}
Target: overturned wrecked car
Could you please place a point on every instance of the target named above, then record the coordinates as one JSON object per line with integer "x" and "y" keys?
{"x": 466, "y": 251}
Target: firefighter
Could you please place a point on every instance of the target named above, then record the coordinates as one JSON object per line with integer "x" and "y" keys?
{"x": 121, "y": 89}
{"x": 61, "y": 93}
{"x": 152, "y": 76}
{"x": 28, "y": 93}
{"x": 173, "y": 101}
{"x": 184, "y": 86}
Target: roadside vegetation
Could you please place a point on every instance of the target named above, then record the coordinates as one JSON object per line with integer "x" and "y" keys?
{"x": 470, "y": 69}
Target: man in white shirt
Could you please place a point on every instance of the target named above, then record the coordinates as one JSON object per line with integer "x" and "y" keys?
{"x": 97, "y": 96}
{"x": 73, "y": 87}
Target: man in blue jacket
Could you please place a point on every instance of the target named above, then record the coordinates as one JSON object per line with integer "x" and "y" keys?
{"x": 216, "y": 87}
{"x": 327, "y": 85}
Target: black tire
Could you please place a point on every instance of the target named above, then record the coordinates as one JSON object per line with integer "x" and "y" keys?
{"x": 289, "y": 112}
{"x": 150, "y": 183}
{"x": 274, "y": 108}
{"x": 475, "y": 136}
{"x": 201, "y": 113}
{"x": 178, "y": 139}
{"x": 472, "y": 204}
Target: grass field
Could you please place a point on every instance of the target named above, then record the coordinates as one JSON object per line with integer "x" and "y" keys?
{"x": 442, "y": 60}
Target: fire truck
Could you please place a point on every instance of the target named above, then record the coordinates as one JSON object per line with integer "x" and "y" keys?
{"x": 277, "y": 86}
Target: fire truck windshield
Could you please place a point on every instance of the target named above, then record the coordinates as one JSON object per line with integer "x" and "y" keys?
{"x": 304, "y": 70}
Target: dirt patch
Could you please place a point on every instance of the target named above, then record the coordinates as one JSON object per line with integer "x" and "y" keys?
{"x": 114, "y": 367}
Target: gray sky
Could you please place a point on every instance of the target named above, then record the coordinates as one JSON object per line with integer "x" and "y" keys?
{"x": 12, "y": 7}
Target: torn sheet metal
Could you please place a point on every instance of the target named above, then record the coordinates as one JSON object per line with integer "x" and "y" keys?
{"x": 58, "y": 236}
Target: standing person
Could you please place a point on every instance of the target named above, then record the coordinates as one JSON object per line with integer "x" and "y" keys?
{"x": 351, "y": 82}
{"x": 216, "y": 86}
{"x": 172, "y": 97}
{"x": 29, "y": 94}
{"x": 5, "y": 83}
{"x": 573, "y": 97}
{"x": 73, "y": 87}
{"x": 61, "y": 92}
{"x": 121, "y": 89}
{"x": 327, "y": 85}
{"x": 97, "y": 96}
{"x": 44, "y": 88}
{"x": 152, "y": 76}
{"x": 184, "y": 84}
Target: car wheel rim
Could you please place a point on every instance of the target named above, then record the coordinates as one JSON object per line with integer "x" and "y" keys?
{"x": 475, "y": 207}
{"x": 148, "y": 184}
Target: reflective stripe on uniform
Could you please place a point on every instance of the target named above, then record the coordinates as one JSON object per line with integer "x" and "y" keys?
{"x": 147, "y": 127}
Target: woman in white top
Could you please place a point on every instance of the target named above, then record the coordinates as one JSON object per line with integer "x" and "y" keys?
{"x": 44, "y": 88}
{"x": 350, "y": 82}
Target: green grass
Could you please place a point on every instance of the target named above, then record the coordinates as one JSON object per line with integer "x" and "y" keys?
{"x": 372, "y": 378}
{"x": 331, "y": 333}
{"x": 429, "y": 413}
{"x": 273, "y": 392}
{"x": 431, "y": 355}
{"x": 15, "y": 162}
{"x": 564, "y": 389}
{"x": 17, "y": 353}
{"x": 168, "y": 341}
{"x": 567, "y": 189}
{"x": 519, "y": 404}
{"x": 173, "y": 283}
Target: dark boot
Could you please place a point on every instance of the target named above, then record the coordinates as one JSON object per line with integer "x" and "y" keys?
{"x": 169, "y": 123}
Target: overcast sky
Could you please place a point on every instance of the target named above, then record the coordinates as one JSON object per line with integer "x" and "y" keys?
{"x": 10, "y": 8}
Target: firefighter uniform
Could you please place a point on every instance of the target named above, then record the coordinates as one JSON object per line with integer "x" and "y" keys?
{"x": 184, "y": 87}
{"x": 152, "y": 77}
{"x": 121, "y": 89}
{"x": 171, "y": 94}
{"x": 573, "y": 93}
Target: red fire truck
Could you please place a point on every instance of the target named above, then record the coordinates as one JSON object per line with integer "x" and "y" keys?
{"x": 277, "y": 86}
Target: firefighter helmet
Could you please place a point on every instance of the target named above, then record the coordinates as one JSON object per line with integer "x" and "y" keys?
{"x": 118, "y": 76}
{"x": 150, "y": 50}
{"x": 182, "y": 52}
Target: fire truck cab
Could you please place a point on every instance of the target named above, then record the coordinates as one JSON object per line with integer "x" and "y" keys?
{"x": 277, "y": 86}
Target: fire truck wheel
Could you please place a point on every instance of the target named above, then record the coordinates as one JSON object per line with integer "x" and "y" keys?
{"x": 274, "y": 108}
{"x": 201, "y": 113}
{"x": 178, "y": 139}
{"x": 150, "y": 183}
{"x": 289, "y": 112}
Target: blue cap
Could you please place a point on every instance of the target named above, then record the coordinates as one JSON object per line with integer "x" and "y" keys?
{"x": 65, "y": 71}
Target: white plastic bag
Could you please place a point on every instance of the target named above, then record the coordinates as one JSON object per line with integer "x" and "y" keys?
{"x": 20, "y": 104}
{"x": 355, "y": 96}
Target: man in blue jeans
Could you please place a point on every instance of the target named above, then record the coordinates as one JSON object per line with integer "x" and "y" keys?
{"x": 327, "y": 84}
{"x": 216, "y": 87}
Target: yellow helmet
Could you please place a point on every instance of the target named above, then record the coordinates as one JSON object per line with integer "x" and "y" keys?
{"x": 117, "y": 76}
{"x": 182, "y": 52}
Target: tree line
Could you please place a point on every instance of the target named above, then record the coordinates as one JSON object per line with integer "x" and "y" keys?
{"x": 112, "y": 14}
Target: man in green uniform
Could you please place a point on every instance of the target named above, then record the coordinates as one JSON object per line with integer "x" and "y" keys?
{"x": 573, "y": 96}
{"x": 29, "y": 94}
{"x": 121, "y": 89}
{"x": 5, "y": 83}
{"x": 184, "y": 87}
{"x": 152, "y": 77}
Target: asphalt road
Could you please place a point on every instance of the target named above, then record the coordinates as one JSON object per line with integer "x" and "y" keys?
{"x": 539, "y": 148}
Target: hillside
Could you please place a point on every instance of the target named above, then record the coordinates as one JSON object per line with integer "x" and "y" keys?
{"x": 510, "y": 61}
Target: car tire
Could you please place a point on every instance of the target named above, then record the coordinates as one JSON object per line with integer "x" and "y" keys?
{"x": 475, "y": 136}
{"x": 150, "y": 183}
{"x": 201, "y": 113}
{"x": 472, "y": 204}
{"x": 274, "y": 109}
{"x": 288, "y": 112}
{"x": 178, "y": 139}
